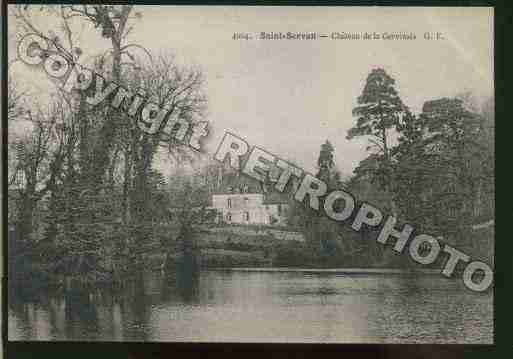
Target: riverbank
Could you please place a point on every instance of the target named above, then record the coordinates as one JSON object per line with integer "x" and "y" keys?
{"x": 251, "y": 248}
{"x": 330, "y": 270}
{"x": 266, "y": 246}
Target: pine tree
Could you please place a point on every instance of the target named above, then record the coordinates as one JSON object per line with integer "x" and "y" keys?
{"x": 379, "y": 110}
{"x": 325, "y": 163}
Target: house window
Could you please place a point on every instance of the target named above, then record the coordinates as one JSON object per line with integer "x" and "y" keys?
{"x": 246, "y": 216}
{"x": 477, "y": 210}
{"x": 468, "y": 164}
{"x": 228, "y": 217}
{"x": 229, "y": 203}
{"x": 451, "y": 187}
{"x": 452, "y": 212}
{"x": 246, "y": 201}
{"x": 279, "y": 209}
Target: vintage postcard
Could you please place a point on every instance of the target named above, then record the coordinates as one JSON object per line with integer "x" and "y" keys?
{"x": 250, "y": 174}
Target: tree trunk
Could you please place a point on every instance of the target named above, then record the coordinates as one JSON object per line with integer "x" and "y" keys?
{"x": 24, "y": 223}
{"x": 126, "y": 185}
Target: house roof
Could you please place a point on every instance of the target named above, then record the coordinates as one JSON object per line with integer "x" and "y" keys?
{"x": 275, "y": 197}
{"x": 234, "y": 183}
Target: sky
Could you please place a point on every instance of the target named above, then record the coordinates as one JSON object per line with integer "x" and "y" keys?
{"x": 290, "y": 96}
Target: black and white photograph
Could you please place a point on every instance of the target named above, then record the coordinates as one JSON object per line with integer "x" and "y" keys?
{"x": 249, "y": 174}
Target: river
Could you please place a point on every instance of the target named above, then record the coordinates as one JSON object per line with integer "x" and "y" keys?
{"x": 264, "y": 306}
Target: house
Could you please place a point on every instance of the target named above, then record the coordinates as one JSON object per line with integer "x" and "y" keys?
{"x": 241, "y": 199}
{"x": 248, "y": 208}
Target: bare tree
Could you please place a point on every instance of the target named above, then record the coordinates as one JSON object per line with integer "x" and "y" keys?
{"x": 98, "y": 163}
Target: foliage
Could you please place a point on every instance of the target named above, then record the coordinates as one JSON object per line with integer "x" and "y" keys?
{"x": 379, "y": 109}
{"x": 442, "y": 166}
{"x": 439, "y": 176}
{"x": 85, "y": 174}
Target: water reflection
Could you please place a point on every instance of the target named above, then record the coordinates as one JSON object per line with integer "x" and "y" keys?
{"x": 80, "y": 313}
{"x": 261, "y": 307}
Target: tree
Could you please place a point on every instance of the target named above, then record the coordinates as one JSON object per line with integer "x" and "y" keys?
{"x": 35, "y": 159}
{"x": 454, "y": 138}
{"x": 411, "y": 170}
{"x": 325, "y": 163}
{"x": 441, "y": 162}
{"x": 96, "y": 172}
{"x": 14, "y": 105}
{"x": 379, "y": 110}
{"x": 32, "y": 163}
{"x": 320, "y": 232}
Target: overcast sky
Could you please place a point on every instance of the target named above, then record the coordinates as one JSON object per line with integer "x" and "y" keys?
{"x": 289, "y": 96}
